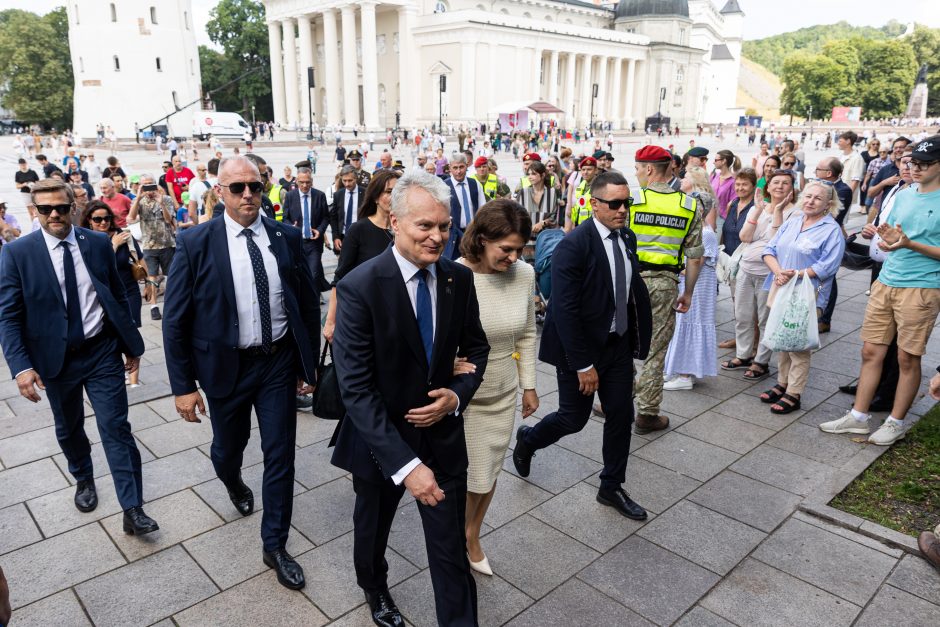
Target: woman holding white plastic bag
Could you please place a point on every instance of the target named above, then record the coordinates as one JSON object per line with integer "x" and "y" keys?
{"x": 807, "y": 247}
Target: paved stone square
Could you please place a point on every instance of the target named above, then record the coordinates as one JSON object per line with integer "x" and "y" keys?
{"x": 724, "y": 543}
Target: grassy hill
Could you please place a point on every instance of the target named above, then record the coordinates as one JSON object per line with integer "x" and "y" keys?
{"x": 759, "y": 89}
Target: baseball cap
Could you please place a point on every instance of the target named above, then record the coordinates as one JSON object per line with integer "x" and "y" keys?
{"x": 927, "y": 150}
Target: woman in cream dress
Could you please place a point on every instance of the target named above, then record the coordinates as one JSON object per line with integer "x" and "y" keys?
{"x": 505, "y": 286}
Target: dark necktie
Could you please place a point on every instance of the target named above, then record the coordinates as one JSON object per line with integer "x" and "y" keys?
{"x": 261, "y": 287}
{"x": 425, "y": 314}
{"x": 349, "y": 208}
{"x": 307, "y": 232}
{"x": 466, "y": 204}
{"x": 621, "y": 289}
{"x": 73, "y": 309}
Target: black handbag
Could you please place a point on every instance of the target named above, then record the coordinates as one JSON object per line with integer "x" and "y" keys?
{"x": 327, "y": 400}
{"x": 856, "y": 256}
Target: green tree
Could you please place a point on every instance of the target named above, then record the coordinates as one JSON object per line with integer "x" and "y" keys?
{"x": 216, "y": 74}
{"x": 844, "y": 54}
{"x": 886, "y": 76}
{"x": 238, "y": 26}
{"x": 36, "y": 67}
{"x": 809, "y": 80}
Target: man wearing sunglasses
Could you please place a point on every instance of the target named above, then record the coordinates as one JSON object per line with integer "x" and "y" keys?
{"x": 64, "y": 323}
{"x": 246, "y": 273}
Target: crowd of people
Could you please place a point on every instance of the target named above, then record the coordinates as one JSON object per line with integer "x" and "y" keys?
{"x": 445, "y": 271}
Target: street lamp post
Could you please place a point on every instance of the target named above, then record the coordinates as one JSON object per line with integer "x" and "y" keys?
{"x": 310, "y": 86}
{"x": 593, "y": 97}
{"x": 440, "y": 104}
{"x": 811, "y": 121}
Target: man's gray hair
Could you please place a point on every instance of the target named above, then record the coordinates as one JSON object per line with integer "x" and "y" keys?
{"x": 346, "y": 170}
{"x": 147, "y": 175}
{"x": 459, "y": 158}
{"x": 303, "y": 170}
{"x": 240, "y": 159}
{"x": 415, "y": 178}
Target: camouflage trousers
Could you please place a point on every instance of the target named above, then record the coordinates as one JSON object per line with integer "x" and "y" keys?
{"x": 649, "y": 387}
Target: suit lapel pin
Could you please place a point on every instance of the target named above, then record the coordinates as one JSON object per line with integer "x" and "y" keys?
{"x": 81, "y": 237}
{"x": 450, "y": 281}
{"x": 277, "y": 233}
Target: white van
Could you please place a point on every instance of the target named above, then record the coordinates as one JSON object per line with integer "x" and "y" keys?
{"x": 219, "y": 124}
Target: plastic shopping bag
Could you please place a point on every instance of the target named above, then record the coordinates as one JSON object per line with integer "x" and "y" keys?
{"x": 792, "y": 324}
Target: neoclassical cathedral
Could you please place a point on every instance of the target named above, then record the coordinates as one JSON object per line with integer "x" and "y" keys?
{"x": 377, "y": 63}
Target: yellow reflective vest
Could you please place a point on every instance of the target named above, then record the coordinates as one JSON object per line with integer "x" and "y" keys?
{"x": 661, "y": 222}
{"x": 581, "y": 209}
{"x": 490, "y": 186}
{"x": 274, "y": 195}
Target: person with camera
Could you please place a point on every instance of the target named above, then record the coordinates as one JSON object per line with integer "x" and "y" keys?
{"x": 156, "y": 213}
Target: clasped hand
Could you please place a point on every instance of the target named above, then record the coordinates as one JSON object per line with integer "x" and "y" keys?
{"x": 445, "y": 403}
{"x": 892, "y": 237}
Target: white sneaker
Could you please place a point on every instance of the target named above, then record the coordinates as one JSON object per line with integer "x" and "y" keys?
{"x": 846, "y": 424}
{"x": 135, "y": 385}
{"x": 679, "y": 383}
{"x": 888, "y": 433}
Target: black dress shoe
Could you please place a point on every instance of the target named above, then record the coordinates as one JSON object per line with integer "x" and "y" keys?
{"x": 522, "y": 455}
{"x": 384, "y": 612}
{"x": 86, "y": 496}
{"x": 137, "y": 523}
{"x": 242, "y": 497}
{"x": 848, "y": 389}
{"x": 621, "y": 501}
{"x": 289, "y": 573}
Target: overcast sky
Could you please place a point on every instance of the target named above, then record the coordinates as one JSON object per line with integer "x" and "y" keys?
{"x": 763, "y": 17}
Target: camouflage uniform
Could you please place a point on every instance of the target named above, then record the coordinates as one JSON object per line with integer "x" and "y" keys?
{"x": 663, "y": 287}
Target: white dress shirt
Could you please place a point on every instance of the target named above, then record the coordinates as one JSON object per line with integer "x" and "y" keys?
{"x": 92, "y": 311}
{"x": 246, "y": 293}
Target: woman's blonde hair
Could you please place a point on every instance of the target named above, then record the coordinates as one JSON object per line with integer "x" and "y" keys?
{"x": 699, "y": 180}
{"x": 828, "y": 189}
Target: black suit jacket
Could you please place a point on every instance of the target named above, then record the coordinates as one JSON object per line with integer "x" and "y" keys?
{"x": 383, "y": 371}
{"x": 200, "y": 320}
{"x": 338, "y": 211}
{"x": 582, "y": 304}
{"x": 319, "y": 213}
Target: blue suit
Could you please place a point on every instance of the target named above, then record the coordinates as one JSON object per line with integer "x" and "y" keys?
{"x": 200, "y": 339}
{"x": 476, "y": 196}
{"x": 319, "y": 221}
{"x": 34, "y": 332}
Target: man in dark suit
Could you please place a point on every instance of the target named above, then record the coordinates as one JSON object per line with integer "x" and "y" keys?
{"x": 245, "y": 279}
{"x": 466, "y": 197}
{"x": 346, "y": 202}
{"x": 598, "y": 322}
{"x": 64, "y": 323}
{"x": 306, "y": 209}
{"x": 403, "y": 318}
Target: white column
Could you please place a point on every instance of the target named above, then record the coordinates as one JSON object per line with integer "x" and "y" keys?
{"x": 491, "y": 93}
{"x": 407, "y": 63}
{"x": 537, "y": 74}
{"x": 306, "y": 60}
{"x": 370, "y": 78}
{"x": 291, "y": 85}
{"x": 584, "y": 106}
{"x": 600, "y": 108}
{"x": 570, "y": 66}
{"x": 631, "y": 79}
{"x": 331, "y": 59}
{"x": 277, "y": 73}
{"x": 616, "y": 95}
{"x": 350, "y": 74}
{"x": 552, "y": 92}
{"x": 468, "y": 55}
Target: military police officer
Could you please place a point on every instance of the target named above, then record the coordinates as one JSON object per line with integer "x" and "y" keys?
{"x": 355, "y": 160}
{"x": 581, "y": 195}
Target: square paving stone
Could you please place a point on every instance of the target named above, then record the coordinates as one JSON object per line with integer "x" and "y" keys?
{"x": 176, "y": 436}
{"x": 181, "y": 516}
{"x": 556, "y": 469}
{"x": 691, "y": 457}
{"x": 497, "y": 601}
{"x": 28, "y": 447}
{"x": 577, "y": 513}
{"x": 313, "y": 468}
{"x": 325, "y": 512}
{"x": 654, "y": 487}
{"x": 17, "y": 528}
{"x": 41, "y": 569}
{"x": 700, "y": 535}
{"x": 176, "y": 472}
{"x": 808, "y": 441}
{"x": 916, "y": 576}
{"x": 24, "y": 423}
{"x": 331, "y": 577}
{"x": 513, "y": 498}
{"x": 518, "y": 552}
{"x": 311, "y": 429}
{"x": 687, "y": 403}
{"x": 146, "y": 591}
{"x": 726, "y": 432}
{"x": 29, "y": 481}
{"x": 59, "y": 610}
{"x": 756, "y": 594}
{"x": 214, "y": 493}
{"x": 896, "y": 607}
{"x": 700, "y": 617}
{"x": 750, "y": 409}
{"x": 232, "y": 553}
{"x": 722, "y": 387}
{"x": 56, "y": 512}
{"x": 581, "y": 605}
{"x": 649, "y": 580}
{"x": 833, "y": 563}
{"x": 259, "y": 601}
{"x": 783, "y": 469}
{"x": 742, "y": 498}
{"x": 99, "y": 461}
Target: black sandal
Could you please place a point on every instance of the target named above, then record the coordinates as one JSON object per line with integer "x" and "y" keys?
{"x": 774, "y": 394}
{"x": 735, "y": 364}
{"x": 792, "y": 404}
{"x": 757, "y": 371}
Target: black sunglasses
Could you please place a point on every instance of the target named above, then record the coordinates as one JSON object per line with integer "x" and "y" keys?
{"x": 100, "y": 219}
{"x": 256, "y": 187}
{"x": 615, "y": 204}
{"x": 48, "y": 209}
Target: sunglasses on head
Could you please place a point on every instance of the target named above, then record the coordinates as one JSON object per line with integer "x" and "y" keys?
{"x": 48, "y": 209}
{"x": 255, "y": 187}
{"x": 100, "y": 219}
{"x": 615, "y": 204}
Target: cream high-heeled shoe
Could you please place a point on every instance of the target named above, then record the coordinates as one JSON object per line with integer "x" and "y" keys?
{"x": 483, "y": 566}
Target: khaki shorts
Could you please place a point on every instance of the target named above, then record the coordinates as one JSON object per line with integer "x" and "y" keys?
{"x": 911, "y": 312}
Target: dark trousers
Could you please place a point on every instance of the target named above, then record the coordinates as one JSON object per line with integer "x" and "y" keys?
{"x": 826, "y": 316}
{"x": 455, "y": 591}
{"x": 97, "y": 368}
{"x": 615, "y": 373}
{"x": 313, "y": 253}
{"x": 269, "y": 384}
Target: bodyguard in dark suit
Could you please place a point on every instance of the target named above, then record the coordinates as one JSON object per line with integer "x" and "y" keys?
{"x": 64, "y": 323}
{"x": 244, "y": 279}
{"x": 306, "y": 209}
{"x": 402, "y": 319}
{"x": 345, "y": 208}
{"x": 466, "y": 198}
{"x": 598, "y": 322}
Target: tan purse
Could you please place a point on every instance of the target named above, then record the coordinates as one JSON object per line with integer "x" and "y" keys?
{"x": 138, "y": 268}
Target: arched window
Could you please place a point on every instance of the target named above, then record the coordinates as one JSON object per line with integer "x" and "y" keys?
{"x": 440, "y": 7}
{"x": 117, "y": 64}
{"x": 113, "y": 12}
{"x": 159, "y": 65}
{"x": 153, "y": 15}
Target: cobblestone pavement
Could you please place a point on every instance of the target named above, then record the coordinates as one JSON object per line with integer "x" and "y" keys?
{"x": 724, "y": 544}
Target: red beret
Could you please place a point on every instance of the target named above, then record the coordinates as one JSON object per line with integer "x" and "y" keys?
{"x": 480, "y": 161}
{"x": 587, "y": 161}
{"x": 532, "y": 156}
{"x": 652, "y": 154}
